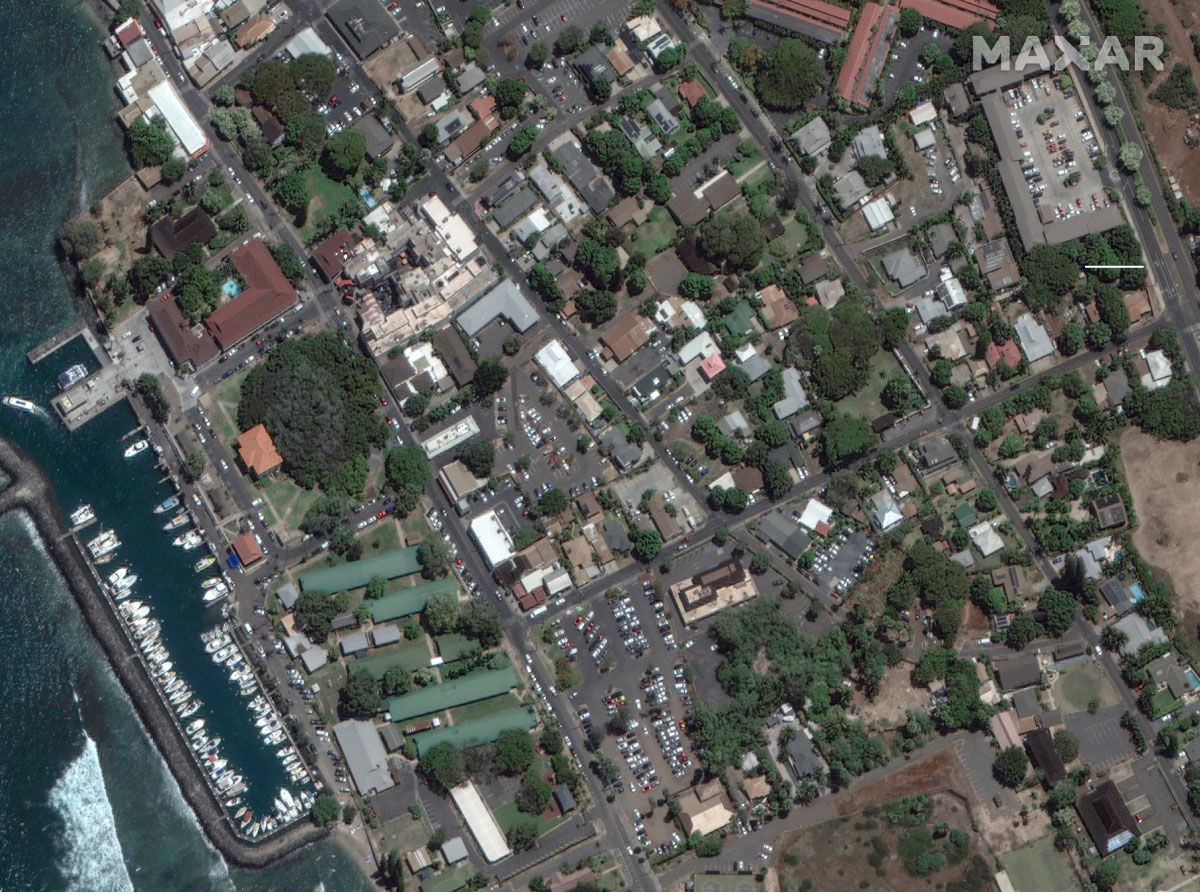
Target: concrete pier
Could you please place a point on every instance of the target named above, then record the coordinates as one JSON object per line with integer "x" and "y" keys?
{"x": 30, "y": 492}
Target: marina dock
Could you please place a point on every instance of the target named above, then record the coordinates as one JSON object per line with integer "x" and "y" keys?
{"x": 56, "y": 341}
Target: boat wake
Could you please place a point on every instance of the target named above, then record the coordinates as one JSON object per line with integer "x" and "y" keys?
{"x": 91, "y": 853}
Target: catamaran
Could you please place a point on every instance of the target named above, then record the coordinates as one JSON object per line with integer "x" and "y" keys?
{"x": 167, "y": 505}
{"x": 104, "y": 542}
{"x": 139, "y": 446}
{"x": 20, "y": 403}
{"x": 82, "y": 515}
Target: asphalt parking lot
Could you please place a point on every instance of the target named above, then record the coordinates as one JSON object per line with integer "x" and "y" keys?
{"x": 838, "y": 562}
{"x": 904, "y": 62}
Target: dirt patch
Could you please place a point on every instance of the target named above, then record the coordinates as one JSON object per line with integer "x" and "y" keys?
{"x": 1164, "y": 478}
{"x": 1166, "y": 126}
{"x": 910, "y": 779}
{"x": 896, "y": 695}
{"x": 862, "y": 852}
{"x": 120, "y": 217}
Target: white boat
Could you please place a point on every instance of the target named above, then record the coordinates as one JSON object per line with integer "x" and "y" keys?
{"x": 191, "y": 708}
{"x": 221, "y": 654}
{"x": 102, "y": 543}
{"x": 287, "y": 799}
{"x": 214, "y": 594}
{"x": 20, "y": 403}
{"x": 138, "y": 613}
{"x": 164, "y": 670}
{"x": 116, "y": 576}
{"x": 126, "y": 582}
{"x": 218, "y": 766}
{"x": 215, "y": 645}
{"x": 139, "y": 446}
{"x": 195, "y": 726}
{"x": 237, "y": 789}
{"x": 180, "y": 519}
{"x": 82, "y": 515}
{"x": 167, "y": 505}
{"x": 265, "y": 721}
{"x": 279, "y": 807}
{"x": 285, "y": 752}
{"x": 72, "y": 376}
{"x": 205, "y": 563}
{"x": 212, "y": 582}
{"x": 180, "y": 696}
{"x": 253, "y": 830}
{"x": 230, "y": 782}
{"x": 123, "y": 593}
{"x": 275, "y": 738}
{"x": 188, "y": 540}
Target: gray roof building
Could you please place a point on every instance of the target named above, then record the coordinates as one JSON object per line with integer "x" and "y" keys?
{"x": 385, "y": 635}
{"x": 623, "y": 454}
{"x": 365, "y": 25}
{"x": 1117, "y": 386}
{"x": 660, "y": 115}
{"x": 755, "y": 366}
{"x": 1018, "y": 673}
{"x": 593, "y": 64}
{"x": 393, "y": 740}
{"x": 901, "y": 266}
{"x": 850, "y": 189}
{"x": 803, "y": 757}
{"x": 617, "y": 537}
{"x": 785, "y": 534}
{"x": 562, "y": 795}
{"x": 452, "y": 123}
{"x": 505, "y": 300}
{"x": 936, "y": 453}
{"x": 869, "y": 142}
{"x": 505, "y": 190}
{"x": 584, "y": 177}
{"x": 794, "y": 397}
{"x": 379, "y": 140}
{"x": 365, "y": 757}
{"x": 549, "y": 241}
{"x": 286, "y": 596}
{"x": 454, "y": 850}
{"x": 1140, "y": 632}
{"x": 813, "y": 138}
{"x": 1119, "y": 599}
{"x": 343, "y": 621}
{"x": 354, "y": 643}
{"x": 1035, "y": 340}
{"x": 471, "y": 77}
{"x": 510, "y": 211}
{"x": 313, "y": 659}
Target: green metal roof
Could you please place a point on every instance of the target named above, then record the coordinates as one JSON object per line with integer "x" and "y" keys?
{"x": 461, "y": 691}
{"x": 349, "y": 576}
{"x": 964, "y": 515}
{"x": 408, "y": 601}
{"x": 481, "y": 729}
{"x": 452, "y": 880}
{"x": 740, "y": 320}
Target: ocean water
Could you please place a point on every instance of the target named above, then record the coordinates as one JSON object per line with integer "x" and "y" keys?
{"x": 86, "y": 801}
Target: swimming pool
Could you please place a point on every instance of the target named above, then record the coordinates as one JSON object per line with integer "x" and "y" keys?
{"x": 1135, "y": 592}
{"x": 230, "y": 288}
{"x": 1193, "y": 680}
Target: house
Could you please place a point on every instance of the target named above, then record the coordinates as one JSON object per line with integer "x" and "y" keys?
{"x": 563, "y": 798}
{"x": 1110, "y": 511}
{"x": 705, "y": 808}
{"x": 618, "y": 57}
{"x": 267, "y": 294}
{"x": 667, "y": 526}
{"x": 253, "y": 30}
{"x": 454, "y": 851}
{"x": 171, "y": 236}
{"x": 787, "y": 536}
{"x": 617, "y": 538}
{"x": 830, "y": 292}
{"x": 803, "y": 759}
{"x": 626, "y": 334}
{"x": 256, "y": 452}
{"x": 816, "y": 517}
{"x": 1018, "y": 673}
{"x": 711, "y": 367}
{"x": 1119, "y": 599}
{"x": 691, "y": 92}
{"x": 378, "y": 138}
{"x": 849, "y": 189}
{"x": 935, "y": 454}
{"x": 592, "y": 64}
{"x": 624, "y": 454}
{"x": 1035, "y": 340}
{"x": 1138, "y": 632}
{"x": 1040, "y": 745}
{"x": 1006, "y": 352}
{"x": 659, "y": 114}
{"x": 903, "y": 267}
{"x": 365, "y": 756}
{"x": 869, "y": 143}
{"x": 583, "y": 176}
{"x": 884, "y": 510}
{"x": 794, "y": 397}
{"x": 1166, "y": 673}
{"x": 813, "y": 138}
{"x": 878, "y": 214}
{"x": 286, "y": 596}
{"x": 985, "y": 539}
{"x": 1106, "y": 818}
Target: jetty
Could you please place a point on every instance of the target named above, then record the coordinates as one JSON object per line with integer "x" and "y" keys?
{"x": 58, "y": 339}
{"x": 30, "y": 492}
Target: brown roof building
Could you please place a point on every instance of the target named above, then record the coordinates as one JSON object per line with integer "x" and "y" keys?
{"x": 330, "y": 256}
{"x": 619, "y": 59}
{"x": 589, "y": 508}
{"x": 459, "y": 362}
{"x": 691, "y": 92}
{"x": 713, "y": 590}
{"x": 626, "y": 335}
{"x": 184, "y": 343}
{"x": 253, "y": 30}
{"x": 272, "y": 128}
{"x": 171, "y": 236}
{"x": 704, "y": 809}
{"x": 256, "y": 452}
{"x": 778, "y": 310}
{"x": 667, "y": 526}
{"x": 246, "y": 549}
{"x": 267, "y": 294}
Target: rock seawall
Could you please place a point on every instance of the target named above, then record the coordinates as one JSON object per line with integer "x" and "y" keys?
{"x": 30, "y": 492}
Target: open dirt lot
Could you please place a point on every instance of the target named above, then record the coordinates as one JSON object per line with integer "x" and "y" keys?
{"x": 1164, "y": 478}
{"x": 1165, "y": 126}
{"x": 896, "y": 694}
{"x": 119, "y": 215}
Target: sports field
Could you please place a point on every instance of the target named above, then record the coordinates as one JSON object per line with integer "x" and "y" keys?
{"x": 1039, "y": 867}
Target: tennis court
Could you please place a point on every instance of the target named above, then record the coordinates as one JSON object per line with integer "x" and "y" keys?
{"x": 1039, "y": 867}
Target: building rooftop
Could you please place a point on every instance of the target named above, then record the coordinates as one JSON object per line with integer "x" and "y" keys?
{"x": 257, "y": 452}
{"x": 869, "y": 142}
{"x": 954, "y": 13}
{"x": 365, "y": 757}
{"x": 365, "y": 25}
{"x": 1106, "y": 818}
{"x": 903, "y": 267}
{"x": 267, "y": 294}
{"x": 1035, "y": 340}
{"x": 184, "y": 343}
{"x": 813, "y": 138}
{"x": 812, "y": 18}
{"x": 171, "y": 236}
{"x": 506, "y": 300}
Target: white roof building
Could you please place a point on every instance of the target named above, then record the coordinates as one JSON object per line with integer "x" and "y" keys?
{"x": 815, "y": 513}
{"x": 492, "y": 538}
{"x": 451, "y": 228}
{"x": 1035, "y": 340}
{"x": 985, "y": 538}
{"x": 185, "y": 128}
{"x": 449, "y": 438}
{"x": 365, "y": 756}
{"x": 923, "y": 113}
{"x": 423, "y": 360}
{"x": 950, "y": 290}
{"x": 306, "y": 42}
{"x": 923, "y": 139}
{"x": 1160, "y": 370}
{"x": 177, "y": 13}
{"x": 557, "y": 363}
{"x": 700, "y": 346}
{"x": 480, "y": 822}
{"x": 878, "y": 213}
{"x": 884, "y": 510}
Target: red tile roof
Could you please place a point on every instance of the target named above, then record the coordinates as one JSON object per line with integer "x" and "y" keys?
{"x": 817, "y": 12}
{"x": 1008, "y": 352}
{"x": 954, "y": 13}
{"x": 872, "y": 35}
{"x": 483, "y": 106}
{"x": 690, "y": 92}
{"x": 257, "y": 451}
{"x": 247, "y": 549}
{"x": 267, "y": 294}
{"x": 129, "y": 32}
{"x": 711, "y": 366}
{"x": 182, "y": 341}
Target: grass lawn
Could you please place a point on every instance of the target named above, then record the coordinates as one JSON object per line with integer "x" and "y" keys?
{"x": 866, "y": 402}
{"x": 1164, "y": 703}
{"x": 795, "y": 234}
{"x": 405, "y": 833}
{"x": 655, "y": 235}
{"x": 1038, "y": 867}
{"x": 1079, "y": 685}
{"x": 326, "y": 196}
{"x": 412, "y": 655}
{"x": 741, "y": 164}
{"x": 415, "y": 524}
{"x": 760, "y": 176}
{"x": 289, "y": 500}
{"x": 453, "y": 646}
{"x": 505, "y": 701}
{"x": 508, "y": 814}
{"x": 381, "y": 537}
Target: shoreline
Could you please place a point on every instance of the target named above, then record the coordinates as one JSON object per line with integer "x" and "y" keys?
{"x": 29, "y": 491}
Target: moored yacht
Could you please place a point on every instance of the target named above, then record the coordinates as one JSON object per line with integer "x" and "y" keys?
{"x": 188, "y": 540}
{"x": 204, "y": 563}
{"x": 167, "y": 505}
{"x": 82, "y": 515}
{"x": 20, "y": 403}
{"x": 139, "y": 446}
{"x": 175, "y": 522}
